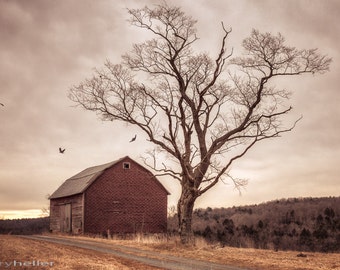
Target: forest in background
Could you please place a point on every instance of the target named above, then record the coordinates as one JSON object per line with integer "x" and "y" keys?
{"x": 25, "y": 226}
{"x": 302, "y": 224}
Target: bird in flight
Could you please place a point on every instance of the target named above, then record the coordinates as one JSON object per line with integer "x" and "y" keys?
{"x": 2, "y": 104}
{"x": 133, "y": 139}
{"x": 61, "y": 151}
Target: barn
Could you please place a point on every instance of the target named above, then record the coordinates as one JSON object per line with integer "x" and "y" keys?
{"x": 121, "y": 196}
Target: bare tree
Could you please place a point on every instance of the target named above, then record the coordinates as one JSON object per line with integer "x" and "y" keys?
{"x": 204, "y": 113}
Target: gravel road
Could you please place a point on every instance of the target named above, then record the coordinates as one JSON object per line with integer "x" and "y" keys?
{"x": 143, "y": 256}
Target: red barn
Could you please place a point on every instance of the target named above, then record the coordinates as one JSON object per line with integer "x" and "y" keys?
{"x": 121, "y": 196}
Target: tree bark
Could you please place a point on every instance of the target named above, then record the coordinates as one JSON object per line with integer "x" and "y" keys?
{"x": 185, "y": 211}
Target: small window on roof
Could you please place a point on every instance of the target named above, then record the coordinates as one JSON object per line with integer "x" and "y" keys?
{"x": 126, "y": 165}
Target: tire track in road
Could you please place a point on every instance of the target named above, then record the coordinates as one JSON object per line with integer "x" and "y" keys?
{"x": 143, "y": 256}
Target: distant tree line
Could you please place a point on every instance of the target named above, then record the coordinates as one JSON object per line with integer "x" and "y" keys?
{"x": 308, "y": 224}
{"x": 302, "y": 224}
{"x": 24, "y": 226}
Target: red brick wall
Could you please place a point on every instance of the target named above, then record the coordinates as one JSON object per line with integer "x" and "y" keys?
{"x": 125, "y": 200}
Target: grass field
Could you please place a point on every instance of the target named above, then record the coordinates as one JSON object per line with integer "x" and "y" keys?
{"x": 256, "y": 259}
{"x": 56, "y": 256}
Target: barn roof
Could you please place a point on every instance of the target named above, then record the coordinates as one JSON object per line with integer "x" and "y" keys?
{"x": 79, "y": 182}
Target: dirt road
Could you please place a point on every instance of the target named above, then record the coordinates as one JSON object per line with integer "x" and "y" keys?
{"x": 146, "y": 257}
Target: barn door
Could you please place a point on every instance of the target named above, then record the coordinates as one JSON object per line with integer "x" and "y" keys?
{"x": 65, "y": 216}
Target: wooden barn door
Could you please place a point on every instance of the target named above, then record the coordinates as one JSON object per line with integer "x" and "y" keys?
{"x": 65, "y": 218}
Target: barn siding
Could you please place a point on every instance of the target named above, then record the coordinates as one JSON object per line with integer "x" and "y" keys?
{"x": 122, "y": 200}
{"x": 125, "y": 200}
{"x": 56, "y": 205}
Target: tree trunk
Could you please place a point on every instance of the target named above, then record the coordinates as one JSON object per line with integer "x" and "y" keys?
{"x": 185, "y": 210}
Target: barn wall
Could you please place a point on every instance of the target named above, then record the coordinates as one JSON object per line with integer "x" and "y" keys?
{"x": 125, "y": 201}
{"x": 56, "y": 215}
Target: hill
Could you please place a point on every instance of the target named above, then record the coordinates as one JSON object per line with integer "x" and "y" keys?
{"x": 303, "y": 224}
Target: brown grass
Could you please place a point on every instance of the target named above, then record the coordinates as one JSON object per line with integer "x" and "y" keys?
{"x": 14, "y": 248}
{"x": 265, "y": 259}
{"x": 256, "y": 259}
{"x": 59, "y": 256}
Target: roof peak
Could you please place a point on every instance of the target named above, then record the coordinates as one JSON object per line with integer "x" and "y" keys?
{"x": 79, "y": 182}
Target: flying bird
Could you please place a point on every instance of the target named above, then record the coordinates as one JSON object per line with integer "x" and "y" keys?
{"x": 61, "y": 151}
{"x": 133, "y": 139}
{"x": 2, "y": 104}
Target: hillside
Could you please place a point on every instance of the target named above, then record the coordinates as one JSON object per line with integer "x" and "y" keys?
{"x": 301, "y": 224}
{"x": 305, "y": 224}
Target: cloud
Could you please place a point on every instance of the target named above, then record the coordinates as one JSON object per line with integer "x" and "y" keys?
{"x": 48, "y": 46}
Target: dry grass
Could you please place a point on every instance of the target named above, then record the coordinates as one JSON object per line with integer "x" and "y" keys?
{"x": 264, "y": 259}
{"x": 58, "y": 256}
{"x": 13, "y": 248}
{"x": 243, "y": 257}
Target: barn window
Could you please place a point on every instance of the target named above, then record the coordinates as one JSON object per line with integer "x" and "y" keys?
{"x": 126, "y": 165}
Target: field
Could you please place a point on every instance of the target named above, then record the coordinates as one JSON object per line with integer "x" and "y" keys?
{"x": 30, "y": 253}
{"x": 249, "y": 258}
{"x": 57, "y": 256}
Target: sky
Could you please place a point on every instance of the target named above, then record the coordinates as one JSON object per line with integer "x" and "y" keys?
{"x": 48, "y": 46}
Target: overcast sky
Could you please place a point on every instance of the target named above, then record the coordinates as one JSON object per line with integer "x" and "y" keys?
{"x": 48, "y": 46}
